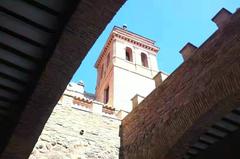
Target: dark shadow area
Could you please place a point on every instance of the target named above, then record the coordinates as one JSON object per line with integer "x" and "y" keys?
{"x": 227, "y": 148}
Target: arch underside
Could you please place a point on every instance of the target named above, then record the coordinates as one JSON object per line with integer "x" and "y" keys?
{"x": 42, "y": 43}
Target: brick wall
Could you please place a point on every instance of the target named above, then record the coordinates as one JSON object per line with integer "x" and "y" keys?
{"x": 197, "y": 94}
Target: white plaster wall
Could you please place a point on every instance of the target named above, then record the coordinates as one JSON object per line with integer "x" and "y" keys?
{"x": 120, "y": 47}
{"x": 154, "y": 63}
{"x": 127, "y": 85}
{"x": 131, "y": 78}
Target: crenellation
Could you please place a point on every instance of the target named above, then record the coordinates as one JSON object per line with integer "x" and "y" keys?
{"x": 159, "y": 78}
{"x": 188, "y": 50}
{"x": 222, "y": 17}
{"x": 136, "y": 100}
{"x": 82, "y": 102}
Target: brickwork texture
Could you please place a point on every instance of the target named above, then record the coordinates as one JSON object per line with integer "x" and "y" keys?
{"x": 194, "y": 96}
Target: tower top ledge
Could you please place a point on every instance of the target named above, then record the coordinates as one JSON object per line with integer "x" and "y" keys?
{"x": 120, "y": 30}
{"x": 129, "y": 36}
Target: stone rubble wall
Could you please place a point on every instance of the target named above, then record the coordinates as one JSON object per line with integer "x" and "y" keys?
{"x": 61, "y": 137}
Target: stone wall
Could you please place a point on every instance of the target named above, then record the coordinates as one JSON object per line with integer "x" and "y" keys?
{"x": 71, "y": 133}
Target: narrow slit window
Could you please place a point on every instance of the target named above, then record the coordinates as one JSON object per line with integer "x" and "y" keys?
{"x": 102, "y": 70}
{"x": 106, "y": 95}
{"x": 108, "y": 59}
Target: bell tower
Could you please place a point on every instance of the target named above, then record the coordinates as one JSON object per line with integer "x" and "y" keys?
{"x": 125, "y": 67}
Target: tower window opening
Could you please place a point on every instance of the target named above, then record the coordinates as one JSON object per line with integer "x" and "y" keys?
{"x": 108, "y": 59}
{"x": 144, "y": 60}
{"x": 106, "y": 95}
{"x": 129, "y": 54}
{"x": 102, "y": 70}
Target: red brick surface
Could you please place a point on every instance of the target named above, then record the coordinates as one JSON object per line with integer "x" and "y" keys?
{"x": 196, "y": 95}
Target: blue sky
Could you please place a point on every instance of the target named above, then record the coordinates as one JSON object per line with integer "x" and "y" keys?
{"x": 171, "y": 23}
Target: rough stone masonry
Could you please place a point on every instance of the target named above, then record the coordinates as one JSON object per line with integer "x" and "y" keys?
{"x": 72, "y": 133}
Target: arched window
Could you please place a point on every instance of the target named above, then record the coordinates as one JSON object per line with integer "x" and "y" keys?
{"x": 144, "y": 60}
{"x": 129, "y": 54}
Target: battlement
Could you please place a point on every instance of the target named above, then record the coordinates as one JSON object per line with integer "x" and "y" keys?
{"x": 222, "y": 18}
{"x": 81, "y": 100}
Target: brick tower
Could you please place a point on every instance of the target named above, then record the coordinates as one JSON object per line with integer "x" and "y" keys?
{"x": 125, "y": 68}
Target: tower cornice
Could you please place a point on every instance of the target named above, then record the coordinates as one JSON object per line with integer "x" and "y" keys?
{"x": 130, "y": 37}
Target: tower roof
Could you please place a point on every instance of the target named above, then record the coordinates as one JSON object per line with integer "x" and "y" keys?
{"x": 129, "y": 36}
